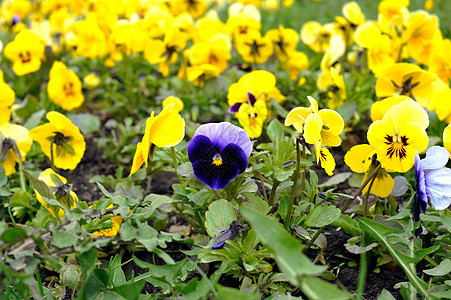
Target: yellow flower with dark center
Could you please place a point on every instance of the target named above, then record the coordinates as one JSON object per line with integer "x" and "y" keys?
{"x": 26, "y": 52}
{"x": 346, "y": 26}
{"x": 16, "y": 138}
{"x": 317, "y": 36}
{"x": 252, "y": 117}
{"x": 167, "y": 129}
{"x": 243, "y": 19}
{"x": 194, "y": 7}
{"x": 363, "y": 159}
{"x": 61, "y": 140}
{"x": 254, "y": 48}
{"x": 61, "y": 190}
{"x": 285, "y": 41}
{"x": 399, "y": 134}
{"x": 64, "y": 87}
{"x": 332, "y": 83}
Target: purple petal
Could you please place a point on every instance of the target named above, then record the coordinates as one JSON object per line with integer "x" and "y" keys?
{"x": 234, "y": 153}
{"x": 438, "y": 184}
{"x": 224, "y": 133}
{"x": 218, "y": 245}
{"x": 234, "y": 108}
{"x": 251, "y": 98}
{"x": 216, "y": 177}
{"x": 421, "y": 200}
{"x": 436, "y": 158}
{"x": 200, "y": 147}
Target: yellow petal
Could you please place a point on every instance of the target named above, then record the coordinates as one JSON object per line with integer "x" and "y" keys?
{"x": 168, "y": 128}
{"x": 359, "y": 157}
{"x": 327, "y": 161}
{"x": 380, "y": 108}
{"x": 382, "y": 185}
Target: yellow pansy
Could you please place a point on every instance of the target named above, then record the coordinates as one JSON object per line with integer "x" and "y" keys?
{"x": 254, "y": 48}
{"x": 64, "y": 137}
{"x": 252, "y": 117}
{"x": 167, "y": 129}
{"x": 399, "y": 134}
{"x": 173, "y": 99}
{"x": 394, "y": 11}
{"x": 61, "y": 191}
{"x": 362, "y": 159}
{"x": 91, "y": 40}
{"x": 297, "y": 63}
{"x": 317, "y": 36}
{"x": 14, "y": 135}
{"x": 353, "y": 18}
{"x": 243, "y": 19}
{"x": 26, "y": 52}
{"x": 285, "y": 41}
{"x": 440, "y": 60}
{"x": 335, "y": 51}
{"x": 380, "y": 108}
{"x": 64, "y": 87}
{"x": 194, "y": 7}
{"x": 7, "y": 97}
{"x": 298, "y": 115}
{"x": 332, "y": 83}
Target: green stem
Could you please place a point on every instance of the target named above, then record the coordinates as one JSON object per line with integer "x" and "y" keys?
{"x": 431, "y": 261}
{"x": 272, "y": 194}
{"x": 201, "y": 223}
{"x": 362, "y": 187}
{"x": 363, "y": 269}
{"x": 229, "y": 193}
{"x": 295, "y": 183}
{"x": 174, "y": 162}
{"x": 303, "y": 174}
{"x": 262, "y": 183}
{"x": 217, "y": 194}
{"x": 21, "y": 175}
{"x": 413, "y": 291}
{"x": 52, "y": 159}
{"x": 11, "y": 216}
{"x": 190, "y": 222}
{"x": 38, "y": 277}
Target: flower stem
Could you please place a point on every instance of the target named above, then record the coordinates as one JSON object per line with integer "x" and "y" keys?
{"x": 187, "y": 219}
{"x": 217, "y": 194}
{"x": 52, "y": 159}
{"x": 362, "y": 187}
{"x": 295, "y": 183}
{"x": 174, "y": 162}
{"x": 21, "y": 175}
{"x": 363, "y": 269}
{"x": 262, "y": 183}
{"x": 201, "y": 223}
{"x": 272, "y": 194}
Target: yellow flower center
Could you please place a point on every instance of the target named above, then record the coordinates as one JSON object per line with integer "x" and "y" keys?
{"x": 68, "y": 89}
{"x": 26, "y": 58}
{"x": 252, "y": 120}
{"x": 397, "y": 146}
{"x": 217, "y": 160}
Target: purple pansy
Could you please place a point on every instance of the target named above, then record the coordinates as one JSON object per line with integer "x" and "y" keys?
{"x": 218, "y": 153}
{"x": 433, "y": 181}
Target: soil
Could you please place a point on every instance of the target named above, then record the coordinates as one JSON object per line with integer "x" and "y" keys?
{"x": 336, "y": 255}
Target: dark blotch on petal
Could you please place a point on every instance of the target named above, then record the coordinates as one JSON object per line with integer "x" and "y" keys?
{"x": 251, "y": 98}
{"x": 234, "y": 153}
{"x": 216, "y": 177}
{"x": 200, "y": 147}
{"x": 235, "y": 108}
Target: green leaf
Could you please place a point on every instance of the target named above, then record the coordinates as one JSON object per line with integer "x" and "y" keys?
{"x": 201, "y": 197}
{"x": 228, "y": 293}
{"x": 317, "y": 289}
{"x": 186, "y": 170}
{"x": 386, "y": 295}
{"x": 34, "y": 119}
{"x": 349, "y": 225}
{"x": 3, "y": 177}
{"x": 64, "y": 239}
{"x": 87, "y": 261}
{"x": 275, "y": 130}
{"x": 130, "y": 290}
{"x": 441, "y": 270}
{"x": 21, "y": 198}
{"x": 13, "y": 235}
{"x": 156, "y": 201}
{"x": 256, "y": 202}
{"x": 96, "y": 283}
{"x": 220, "y": 215}
{"x": 322, "y": 215}
{"x": 335, "y": 180}
{"x": 379, "y": 232}
{"x": 116, "y": 275}
{"x": 446, "y": 220}
{"x": 39, "y": 185}
{"x": 87, "y": 123}
{"x": 287, "y": 249}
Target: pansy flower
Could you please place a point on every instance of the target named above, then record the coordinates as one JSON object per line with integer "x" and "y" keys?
{"x": 15, "y": 146}
{"x": 433, "y": 181}
{"x": 400, "y": 133}
{"x": 218, "y": 153}
{"x": 26, "y": 52}
{"x": 7, "y": 97}
{"x": 60, "y": 140}
{"x": 64, "y": 87}
{"x": 254, "y": 48}
{"x": 333, "y": 85}
{"x": 285, "y": 41}
{"x": 167, "y": 129}
{"x": 317, "y": 36}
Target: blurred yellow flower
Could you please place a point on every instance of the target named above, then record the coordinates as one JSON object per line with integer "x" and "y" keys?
{"x": 91, "y": 81}
{"x": 13, "y": 135}
{"x": 60, "y": 140}
{"x": 332, "y": 83}
{"x": 447, "y": 138}
{"x": 254, "y": 48}
{"x": 167, "y": 129}
{"x": 64, "y": 87}
{"x": 317, "y": 36}
{"x": 26, "y": 52}
{"x": 91, "y": 40}
{"x": 7, "y": 98}
{"x": 285, "y": 41}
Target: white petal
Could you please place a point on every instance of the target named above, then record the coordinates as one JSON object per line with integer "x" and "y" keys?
{"x": 436, "y": 157}
{"x": 438, "y": 186}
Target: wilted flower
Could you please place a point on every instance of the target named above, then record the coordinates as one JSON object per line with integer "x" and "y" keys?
{"x": 26, "y": 52}
{"x": 64, "y": 87}
{"x": 218, "y": 153}
{"x": 113, "y": 230}
{"x": 399, "y": 134}
{"x": 60, "y": 140}
{"x": 167, "y": 129}
{"x": 61, "y": 190}
{"x": 15, "y": 139}
{"x": 230, "y": 233}
{"x": 433, "y": 181}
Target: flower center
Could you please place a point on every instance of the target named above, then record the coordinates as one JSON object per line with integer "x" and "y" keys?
{"x": 253, "y": 120}
{"x": 397, "y": 146}
{"x": 217, "y": 160}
